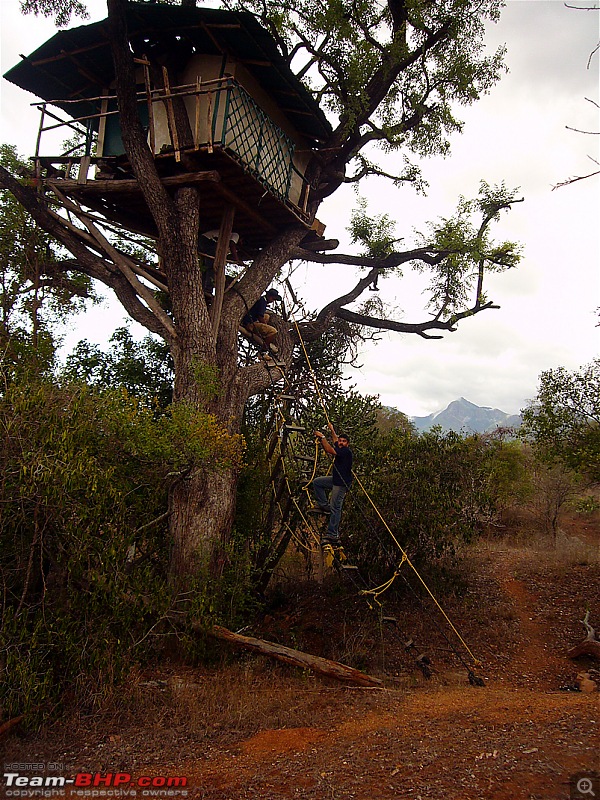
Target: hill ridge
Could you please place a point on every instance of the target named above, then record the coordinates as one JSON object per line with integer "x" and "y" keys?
{"x": 463, "y": 415}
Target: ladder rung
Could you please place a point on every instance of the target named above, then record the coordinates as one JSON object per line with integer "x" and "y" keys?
{"x": 304, "y": 458}
{"x": 272, "y": 364}
{"x": 295, "y": 428}
{"x": 286, "y": 397}
{"x": 349, "y": 566}
{"x": 390, "y": 619}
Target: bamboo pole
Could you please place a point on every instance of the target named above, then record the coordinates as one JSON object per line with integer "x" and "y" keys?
{"x": 171, "y": 115}
{"x": 197, "y": 110}
{"x": 219, "y": 266}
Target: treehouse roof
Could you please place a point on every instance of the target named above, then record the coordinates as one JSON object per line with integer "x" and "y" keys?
{"x": 77, "y": 63}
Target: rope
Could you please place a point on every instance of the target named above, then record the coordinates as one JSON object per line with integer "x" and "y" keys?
{"x": 405, "y": 558}
{"x": 312, "y": 372}
{"x": 385, "y": 586}
{"x": 417, "y": 573}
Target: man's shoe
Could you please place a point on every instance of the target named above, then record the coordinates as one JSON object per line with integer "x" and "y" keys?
{"x": 320, "y": 510}
{"x": 334, "y": 541}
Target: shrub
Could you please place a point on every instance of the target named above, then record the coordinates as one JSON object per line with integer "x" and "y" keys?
{"x": 432, "y": 490}
{"x": 84, "y": 544}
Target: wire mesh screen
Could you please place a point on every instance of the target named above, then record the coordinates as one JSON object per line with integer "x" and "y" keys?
{"x": 262, "y": 147}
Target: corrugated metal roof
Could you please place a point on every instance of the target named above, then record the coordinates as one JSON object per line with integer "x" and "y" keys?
{"x": 77, "y": 63}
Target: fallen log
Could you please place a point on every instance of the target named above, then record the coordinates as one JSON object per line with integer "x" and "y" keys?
{"x": 5, "y": 727}
{"x": 590, "y": 646}
{"x": 333, "y": 669}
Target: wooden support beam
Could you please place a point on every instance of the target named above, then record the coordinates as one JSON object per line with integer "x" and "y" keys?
{"x": 228, "y": 194}
{"x": 332, "y": 669}
{"x": 171, "y": 115}
{"x": 223, "y": 244}
{"x": 122, "y": 263}
{"x": 128, "y": 185}
{"x": 84, "y": 166}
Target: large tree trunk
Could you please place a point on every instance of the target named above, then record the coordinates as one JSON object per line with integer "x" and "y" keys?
{"x": 202, "y": 509}
{"x": 202, "y": 504}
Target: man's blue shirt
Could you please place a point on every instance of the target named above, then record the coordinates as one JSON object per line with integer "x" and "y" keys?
{"x": 342, "y": 466}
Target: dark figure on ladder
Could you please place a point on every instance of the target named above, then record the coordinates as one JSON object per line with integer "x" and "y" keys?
{"x": 256, "y": 321}
{"x": 337, "y": 483}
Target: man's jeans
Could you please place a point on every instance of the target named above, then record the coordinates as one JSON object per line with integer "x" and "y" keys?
{"x": 336, "y": 501}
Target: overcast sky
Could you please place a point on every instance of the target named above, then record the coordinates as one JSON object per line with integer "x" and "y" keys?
{"x": 516, "y": 134}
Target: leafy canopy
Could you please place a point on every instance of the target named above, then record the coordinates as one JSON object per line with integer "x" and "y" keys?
{"x": 564, "y": 418}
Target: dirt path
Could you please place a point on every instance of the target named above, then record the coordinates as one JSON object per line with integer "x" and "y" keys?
{"x": 450, "y": 743}
{"x": 519, "y": 738}
{"x": 457, "y": 742}
{"x": 534, "y": 662}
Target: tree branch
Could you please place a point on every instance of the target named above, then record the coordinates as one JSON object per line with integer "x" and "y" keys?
{"x": 87, "y": 262}
{"x": 427, "y": 255}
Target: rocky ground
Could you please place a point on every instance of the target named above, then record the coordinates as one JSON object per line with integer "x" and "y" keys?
{"x": 256, "y": 729}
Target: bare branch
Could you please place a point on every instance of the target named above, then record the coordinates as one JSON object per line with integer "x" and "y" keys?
{"x": 577, "y": 130}
{"x": 87, "y": 261}
{"x": 574, "y": 180}
{"x": 427, "y": 255}
{"x": 420, "y": 328}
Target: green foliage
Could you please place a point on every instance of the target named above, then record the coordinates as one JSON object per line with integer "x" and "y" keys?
{"x": 389, "y": 419}
{"x": 36, "y": 294}
{"x": 432, "y": 490}
{"x": 508, "y": 470}
{"x": 431, "y": 52}
{"x": 144, "y": 368}
{"x": 207, "y": 379}
{"x": 465, "y": 240}
{"x": 350, "y": 413}
{"x": 84, "y": 545}
{"x": 374, "y": 233}
{"x": 61, "y": 10}
{"x": 564, "y": 420}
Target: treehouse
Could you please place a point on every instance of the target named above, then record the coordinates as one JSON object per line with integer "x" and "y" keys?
{"x": 219, "y": 107}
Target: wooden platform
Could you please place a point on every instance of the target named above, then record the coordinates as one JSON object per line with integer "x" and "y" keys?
{"x": 223, "y": 182}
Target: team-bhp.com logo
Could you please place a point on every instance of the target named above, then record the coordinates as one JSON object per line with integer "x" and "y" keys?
{"x": 93, "y": 785}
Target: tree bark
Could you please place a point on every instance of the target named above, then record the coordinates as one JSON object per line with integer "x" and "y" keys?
{"x": 332, "y": 669}
{"x": 202, "y": 508}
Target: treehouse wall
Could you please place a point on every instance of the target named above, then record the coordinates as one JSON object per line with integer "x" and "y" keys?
{"x": 302, "y": 153}
{"x": 249, "y": 125}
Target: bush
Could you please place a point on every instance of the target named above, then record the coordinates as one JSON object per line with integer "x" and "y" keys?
{"x": 432, "y": 490}
{"x": 84, "y": 544}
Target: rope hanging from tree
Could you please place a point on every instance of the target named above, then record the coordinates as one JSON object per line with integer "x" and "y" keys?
{"x": 375, "y": 593}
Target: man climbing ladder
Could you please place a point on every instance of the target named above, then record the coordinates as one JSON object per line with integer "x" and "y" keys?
{"x": 337, "y": 483}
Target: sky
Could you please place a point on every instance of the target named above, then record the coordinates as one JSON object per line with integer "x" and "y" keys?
{"x": 517, "y": 134}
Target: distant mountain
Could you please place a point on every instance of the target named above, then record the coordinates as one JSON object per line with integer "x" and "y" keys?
{"x": 463, "y": 416}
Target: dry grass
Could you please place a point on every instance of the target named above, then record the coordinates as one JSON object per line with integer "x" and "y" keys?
{"x": 235, "y": 700}
{"x": 181, "y": 713}
{"x": 566, "y": 549}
